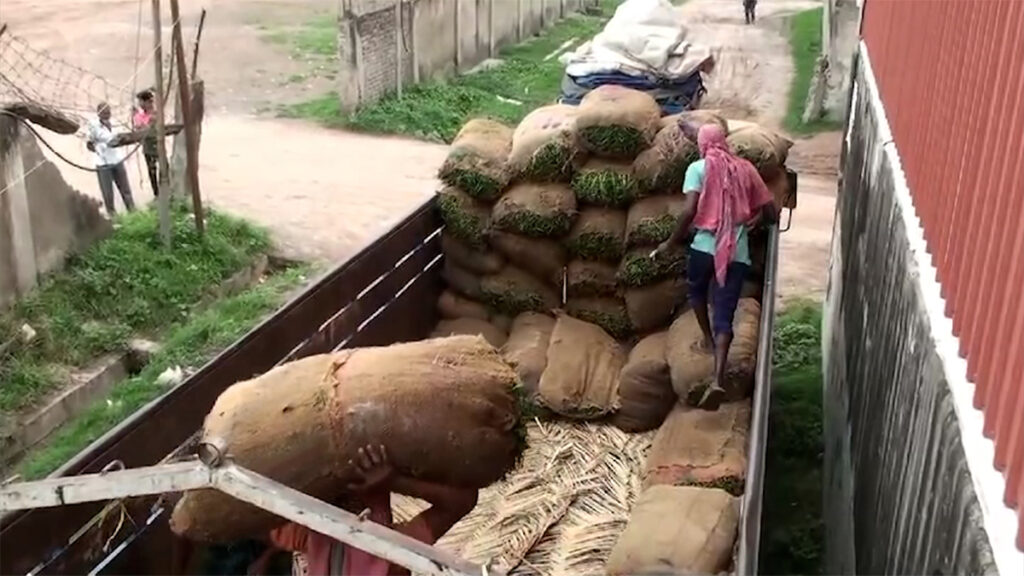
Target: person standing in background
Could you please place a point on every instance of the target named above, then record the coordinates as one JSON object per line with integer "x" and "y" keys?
{"x": 143, "y": 120}
{"x": 749, "y": 6}
{"x": 109, "y": 160}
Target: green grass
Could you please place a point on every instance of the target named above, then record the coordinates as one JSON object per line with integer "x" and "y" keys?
{"x": 805, "y": 45}
{"x": 315, "y": 38}
{"x": 125, "y": 285}
{"x": 190, "y": 342}
{"x": 436, "y": 110}
{"x": 792, "y": 533}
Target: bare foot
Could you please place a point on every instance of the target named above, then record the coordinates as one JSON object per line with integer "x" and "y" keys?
{"x": 712, "y": 399}
{"x": 703, "y": 346}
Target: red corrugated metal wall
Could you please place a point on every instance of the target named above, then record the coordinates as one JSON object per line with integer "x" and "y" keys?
{"x": 951, "y": 76}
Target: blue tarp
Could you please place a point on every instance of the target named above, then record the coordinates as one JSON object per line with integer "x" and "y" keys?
{"x": 673, "y": 96}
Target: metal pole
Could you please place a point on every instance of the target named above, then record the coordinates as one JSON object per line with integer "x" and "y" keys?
{"x": 398, "y": 47}
{"x": 163, "y": 201}
{"x": 490, "y": 28}
{"x": 458, "y": 35}
{"x": 192, "y": 151}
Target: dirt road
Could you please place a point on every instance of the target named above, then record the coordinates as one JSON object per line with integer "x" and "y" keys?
{"x": 324, "y": 193}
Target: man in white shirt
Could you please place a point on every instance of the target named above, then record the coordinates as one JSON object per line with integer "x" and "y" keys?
{"x": 109, "y": 160}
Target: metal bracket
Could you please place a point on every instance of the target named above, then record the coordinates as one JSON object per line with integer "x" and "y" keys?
{"x": 214, "y": 470}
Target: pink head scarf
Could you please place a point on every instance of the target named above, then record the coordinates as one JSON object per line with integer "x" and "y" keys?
{"x": 733, "y": 191}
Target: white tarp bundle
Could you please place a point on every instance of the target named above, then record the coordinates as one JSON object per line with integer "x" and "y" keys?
{"x": 643, "y": 38}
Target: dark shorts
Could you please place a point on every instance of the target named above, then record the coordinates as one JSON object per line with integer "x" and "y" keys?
{"x": 700, "y": 275}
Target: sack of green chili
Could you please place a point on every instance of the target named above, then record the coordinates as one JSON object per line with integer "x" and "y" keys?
{"x": 581, "y": 378}
{"x": 661, "y": 168}
{"x": 617, "y": 122}
{"x": 480, "y": 261}
{"x": 514, "y": 291}
{"x": 478, "y": 160}
{"x": 638, "y": 268}
{"x": 536, "y": 210}
{"x": 464, "y": 218}
{"x": 545, "y": 145}
{"x": 651, "y": 307}
{"x": 645, "y": 387}
{"x": 608, "y": 312}
{"x": 598, "y": 234}
{"x": 651, "y": 221}
{"x": 586, "y": 278}
{"x": 542, "y": 257}
{"x": 766, "y": 149}
{"x": 605, "y": 183}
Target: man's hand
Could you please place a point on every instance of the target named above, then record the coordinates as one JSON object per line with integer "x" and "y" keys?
{"x": 373, "y": 470}
{"x": 662, "y": 249}
{"x": 90, "y": 146}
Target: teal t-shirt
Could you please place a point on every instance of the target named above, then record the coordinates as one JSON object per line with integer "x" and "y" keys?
{"x": 704, "y": 240}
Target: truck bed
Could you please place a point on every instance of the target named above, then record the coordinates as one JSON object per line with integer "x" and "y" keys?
{"x": 559, "y": 512}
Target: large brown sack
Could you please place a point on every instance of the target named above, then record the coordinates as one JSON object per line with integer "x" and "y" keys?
{"x": 586, "y": 278}
{"x": 645, "y": 387}
{"x": 696, "y": 447}
{"x": 452, "y": 305}
{"x": 464, "y": 218}
{"x": 602, "y": 182}
{"x": 638, "y": 269}
{"x": 536, "y": 210}
{"x": 478, "y": 159}
{"x": 542, "y": 257}
{"x": 651, "y": 221}
{"x": 471, "y": 327}
{"x": 661, "y": 168}
{"x": 545, "y": 145}
{"x": 526, "y": 349}
{"x": 692, "y": 120}
{"x": 693, "y": 368}
{"x": 651, "y": 307}
{"x": 617, "y": 122}
{"x": 598, "y": 234}
{"x": 480, "y": 261}
{"x": 462, "y": 281}
{"x": 608, "y": 312}
{"x": 766, "y": 149}
{"x": 513, "y": 291}
{"x": 445, "y": 410}
{"x": 581, "y": 379}
{"x": 677, "y": 530}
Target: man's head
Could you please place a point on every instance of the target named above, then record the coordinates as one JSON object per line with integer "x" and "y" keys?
{"x": 711, "y": 137}
{"x": 103, "y": 111}
{"x": 146, "y": 100}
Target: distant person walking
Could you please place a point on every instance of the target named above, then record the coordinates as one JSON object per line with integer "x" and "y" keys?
{"x": 143, "y": 120}
{"x": 749, "y": 7}
{"x": 109, "y": 160}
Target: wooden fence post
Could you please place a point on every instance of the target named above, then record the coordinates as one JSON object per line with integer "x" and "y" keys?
{"x": 414, "y": 12}
{"x": 490, "y": 29}
{"x": 458, "y": 35}
{"x": 398, "y": 48}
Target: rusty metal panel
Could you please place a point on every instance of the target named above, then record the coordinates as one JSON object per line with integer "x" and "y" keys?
{"x": 951, "y": 76}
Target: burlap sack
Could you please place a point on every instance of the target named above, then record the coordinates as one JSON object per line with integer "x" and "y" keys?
{"x": 452, "y": 305}
{"x": 766, "y": 149}
{"x": 598, "y": 234}
{"x": 464, "y": 218}
{"x": 478, "y": 159}
{"x": 638, "y": 269}
{"x": 536, "y": 210}
{"x": 479, "y": 261}
{"x": 513, "y": 291}
{"x": 445, "y": 410}
{"x": 645, "y": 387}
{"x": 651, "y": 307}
{"x": 542, "y": 257}
{"x": 581, "y": 379}
{"x": 471, "y": 327}
{"x": 526, "y": 349}
{"x": 617, "y": 122}
{"x": 502, "y": 322}
{"x": 661, "y": 168}
{"x": 677, "y": 530}
{"x": 608, "y": 312}
{"x": 697, "y": 447}
{"x": 585, "y": 278}
{"x": 651, "y": 221}
{"x": 545, "y": 145}
{"x": 605, "y": 183}
{"x": 693, "y": 368}
{"x": 462, "y": 281}
{"x": 694, "y": 119}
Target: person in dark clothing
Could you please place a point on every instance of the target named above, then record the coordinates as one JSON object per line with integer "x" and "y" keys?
{"x": 142, "y": 120}
{"x": 749, "y": 6}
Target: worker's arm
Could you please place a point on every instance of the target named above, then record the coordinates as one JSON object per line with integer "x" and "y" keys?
{"x": 692, "y": 184}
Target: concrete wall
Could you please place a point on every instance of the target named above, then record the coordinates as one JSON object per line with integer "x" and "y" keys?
{"x": 42, "y": 219}
{"x": 438, "y": 37}
{"x": 901, "y": 469}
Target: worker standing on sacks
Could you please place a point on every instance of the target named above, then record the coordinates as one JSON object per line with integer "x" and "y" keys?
{"x": 725, "y": 197}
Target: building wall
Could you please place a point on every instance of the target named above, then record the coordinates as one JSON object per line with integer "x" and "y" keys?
{"x": 42, "y": 219}
{"x": 438, "y": 37}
